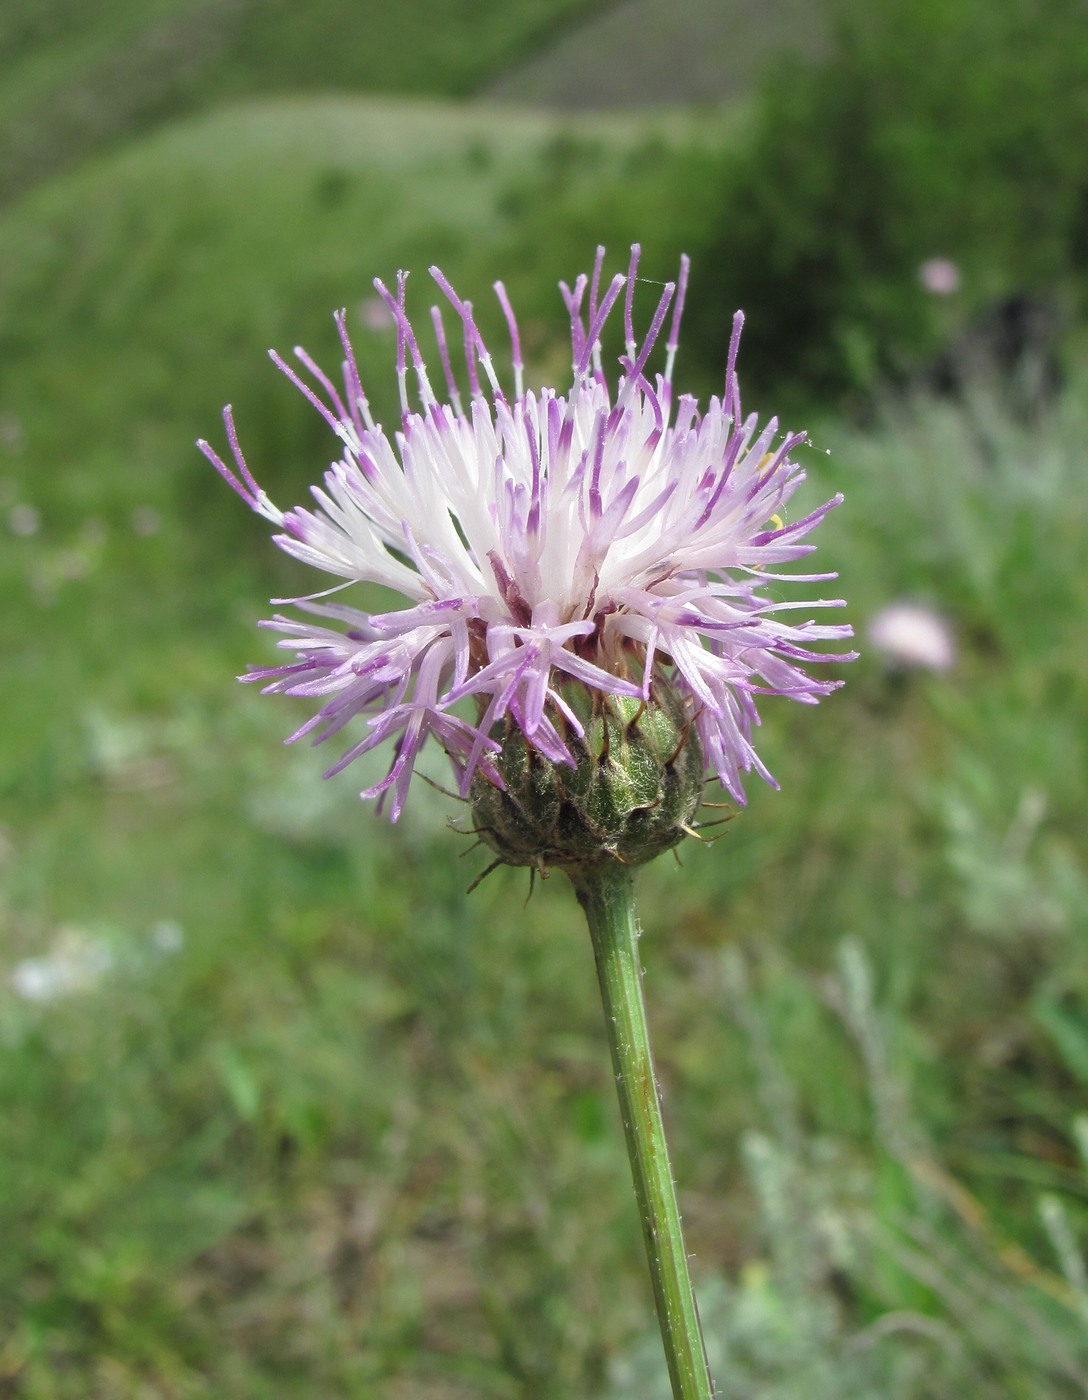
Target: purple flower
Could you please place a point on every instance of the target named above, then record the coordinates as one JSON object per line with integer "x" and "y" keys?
{"x": 596, "y": 537}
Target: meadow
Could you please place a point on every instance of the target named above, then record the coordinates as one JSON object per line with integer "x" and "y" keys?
{"x": 284, "y": 1109}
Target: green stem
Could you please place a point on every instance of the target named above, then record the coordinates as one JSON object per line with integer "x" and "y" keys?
{"x": 606, "y": 892}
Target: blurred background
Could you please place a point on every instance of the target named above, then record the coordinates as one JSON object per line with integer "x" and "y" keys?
{"x": 283, "y": 1110}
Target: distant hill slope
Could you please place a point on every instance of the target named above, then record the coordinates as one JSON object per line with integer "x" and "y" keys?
{"x": 140, "y": 291}
{"x": 642, "y": 52}
{"x": 76, "y": 77}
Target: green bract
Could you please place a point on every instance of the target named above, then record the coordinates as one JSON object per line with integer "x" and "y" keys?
{"x": 631, "y": 794}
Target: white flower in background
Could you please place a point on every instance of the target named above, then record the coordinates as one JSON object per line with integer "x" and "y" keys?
{"x": 76, "y": 962}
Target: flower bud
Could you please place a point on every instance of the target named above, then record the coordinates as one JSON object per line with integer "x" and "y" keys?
{"x": 632, "y": 792}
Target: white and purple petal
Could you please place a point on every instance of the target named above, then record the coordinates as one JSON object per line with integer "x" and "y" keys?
{"x": 595, "y": 538}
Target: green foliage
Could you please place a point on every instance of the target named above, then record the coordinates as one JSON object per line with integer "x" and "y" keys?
{"x": 360, "y": 1137}
{"x": 299, "y": 1116}
{"x": 880, "y": 1275}
{"x": 932, "y": 130}
{"x": 78, "y": 78}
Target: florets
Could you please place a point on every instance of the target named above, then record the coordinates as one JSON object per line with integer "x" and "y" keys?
{"x": 566, "y": 560}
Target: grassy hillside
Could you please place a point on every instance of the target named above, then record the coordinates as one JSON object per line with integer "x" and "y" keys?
{"x": 75, "y": 78}
{"x": 640, "y": 52}
{"x": 137, "y": 293}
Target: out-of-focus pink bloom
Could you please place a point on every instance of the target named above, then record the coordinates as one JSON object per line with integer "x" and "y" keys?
{"x": 912, "y": 637}
{"x": 375, "y": 315}
{"x": 940, "y": 276}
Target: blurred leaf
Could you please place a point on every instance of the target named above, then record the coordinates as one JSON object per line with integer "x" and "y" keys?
{"x": 1067, "y": 1029}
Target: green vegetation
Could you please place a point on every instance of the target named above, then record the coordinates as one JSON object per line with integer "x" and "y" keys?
{"x": 932, "y": 130}
{"x": 79, "y": 78}
{"x": 307, "y": 1119}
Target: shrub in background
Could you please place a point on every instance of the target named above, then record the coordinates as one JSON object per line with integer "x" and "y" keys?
{"x": 931, "y": 130}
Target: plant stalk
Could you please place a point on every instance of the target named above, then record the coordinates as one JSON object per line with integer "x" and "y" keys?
{"x": 607, "y": 894}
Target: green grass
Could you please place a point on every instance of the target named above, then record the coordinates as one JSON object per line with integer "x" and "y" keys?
{"x": 356, "y": 1134}
{"x": 76, "y": 79}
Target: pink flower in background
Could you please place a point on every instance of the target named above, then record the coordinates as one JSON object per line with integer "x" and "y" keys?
{"x": 940, "y": 276}
{"x": 912, "y": 637}
{"x": 375, "y": 315}
{"x": 597, "y": 537}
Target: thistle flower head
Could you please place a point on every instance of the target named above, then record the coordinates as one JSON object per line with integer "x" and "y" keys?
{"x": 605, "y": 541}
